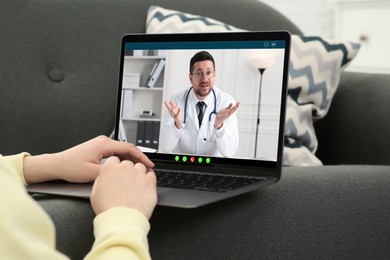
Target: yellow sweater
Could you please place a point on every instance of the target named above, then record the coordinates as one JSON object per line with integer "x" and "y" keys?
{"x": 27, "y": 232}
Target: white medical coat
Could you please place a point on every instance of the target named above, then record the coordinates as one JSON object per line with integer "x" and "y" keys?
{"x": 203, "y": 140}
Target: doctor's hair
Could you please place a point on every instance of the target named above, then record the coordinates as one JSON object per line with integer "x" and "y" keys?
{"x": 201, "y": 56}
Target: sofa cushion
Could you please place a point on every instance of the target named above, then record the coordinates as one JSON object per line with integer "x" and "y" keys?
{"x": 315, "y": 67}
{"x": 347, "y": 218}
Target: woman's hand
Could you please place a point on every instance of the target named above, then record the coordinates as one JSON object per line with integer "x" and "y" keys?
{"x": 80, "y": 163}
{"x": 124, "y": 184}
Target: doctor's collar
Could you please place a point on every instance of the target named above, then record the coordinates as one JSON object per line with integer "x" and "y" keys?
{"x": 207, "y": 100}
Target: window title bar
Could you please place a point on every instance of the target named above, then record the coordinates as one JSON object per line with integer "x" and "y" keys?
{"x": 268, "y": 44}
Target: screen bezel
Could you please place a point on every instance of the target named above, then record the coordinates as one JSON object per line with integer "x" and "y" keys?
{"x": 247, "y": 166}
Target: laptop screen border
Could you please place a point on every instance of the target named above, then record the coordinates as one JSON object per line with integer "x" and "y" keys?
{"x": 248, "y": 166}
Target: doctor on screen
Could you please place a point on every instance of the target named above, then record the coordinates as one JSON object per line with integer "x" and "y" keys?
{"x": 202, "y": 118}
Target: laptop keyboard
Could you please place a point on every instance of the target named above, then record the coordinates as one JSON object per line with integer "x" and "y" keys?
{"x": 206, "y": 182}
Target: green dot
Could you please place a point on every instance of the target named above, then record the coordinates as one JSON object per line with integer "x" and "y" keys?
{"x": 184, "y": 158}
{"x": 208, "y": 160}
{"x": 200, "y": 159}
{"x": 177, "y": 158}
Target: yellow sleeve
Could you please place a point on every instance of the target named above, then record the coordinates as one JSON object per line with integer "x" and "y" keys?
{"x": 13, "y": 166}
{"x": 120, "y": 233}
{"x": 26, "y": 231}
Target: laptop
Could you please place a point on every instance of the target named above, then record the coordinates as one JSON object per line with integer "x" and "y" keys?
{"x": 199, "y": 164}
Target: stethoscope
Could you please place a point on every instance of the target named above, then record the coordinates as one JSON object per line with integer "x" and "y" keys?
{"x": 186, "y": 101}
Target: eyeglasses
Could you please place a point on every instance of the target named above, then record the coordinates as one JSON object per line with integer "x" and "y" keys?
{"x": 209, "y": 74}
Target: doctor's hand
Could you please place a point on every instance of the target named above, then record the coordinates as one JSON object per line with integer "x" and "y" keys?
{"x": 224, "y": 114}
{"x": 175, "y": 112}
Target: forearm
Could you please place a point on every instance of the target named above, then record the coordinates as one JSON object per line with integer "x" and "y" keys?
{"x": 34, "y": 169}
{"x": 41, "y": 168}
{"x": 26, "y": 230}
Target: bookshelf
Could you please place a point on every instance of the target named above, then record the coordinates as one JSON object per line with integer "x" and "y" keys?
{"x": 142, "y": 94}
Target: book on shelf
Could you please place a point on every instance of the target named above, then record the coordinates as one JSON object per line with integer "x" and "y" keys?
{"x": 127, "y": 101}
{"x": 148, "y": 133}
{"x": 155, "y": 73}
{"x": 140, "y": 133}
{"x": 122, "y": 132}
{"x": 155, "y": 134}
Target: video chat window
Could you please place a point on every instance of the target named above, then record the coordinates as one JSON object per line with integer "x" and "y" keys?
{"x": 252, "y": 77}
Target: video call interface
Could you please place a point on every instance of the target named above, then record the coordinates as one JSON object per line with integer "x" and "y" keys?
{"x": 241, "y": 92}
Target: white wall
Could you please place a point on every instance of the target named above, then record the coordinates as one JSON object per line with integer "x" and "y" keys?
{"x": 313, "y": 17}
{"x": 364, "y": 21}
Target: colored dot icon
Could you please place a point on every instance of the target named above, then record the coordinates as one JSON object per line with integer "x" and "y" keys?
{"x": 191, "y": 159}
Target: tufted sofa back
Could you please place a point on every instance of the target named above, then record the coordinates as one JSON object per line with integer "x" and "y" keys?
{"x": 59, "y": 63}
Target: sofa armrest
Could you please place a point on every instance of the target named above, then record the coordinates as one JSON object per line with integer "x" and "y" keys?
{"x": 355, "y": 130}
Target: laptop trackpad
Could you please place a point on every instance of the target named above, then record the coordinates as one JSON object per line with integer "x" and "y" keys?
{"x": 182, "y": 198}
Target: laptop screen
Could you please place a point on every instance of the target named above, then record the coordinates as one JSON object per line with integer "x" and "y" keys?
{"x": 240, "y": 78}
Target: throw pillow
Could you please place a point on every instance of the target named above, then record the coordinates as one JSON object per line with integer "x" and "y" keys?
{"x": 314, "y": 74}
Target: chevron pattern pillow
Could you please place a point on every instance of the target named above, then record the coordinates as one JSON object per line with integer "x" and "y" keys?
{"x": 315, "y": 67}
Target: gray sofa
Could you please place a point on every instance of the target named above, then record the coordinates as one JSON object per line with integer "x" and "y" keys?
{"x": 59, "y": 67}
